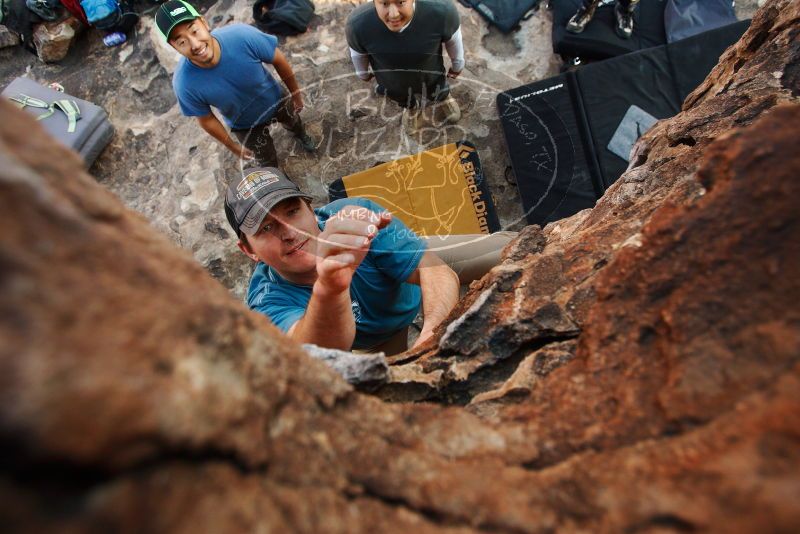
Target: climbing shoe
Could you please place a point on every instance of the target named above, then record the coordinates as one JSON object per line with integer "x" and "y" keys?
{"x": 623, "y": 21}
{"x": 449, "y": 111}
{"x": 580, "y": 19}
{"x": 410, "y": 119}
{"x": 307, "y": 142}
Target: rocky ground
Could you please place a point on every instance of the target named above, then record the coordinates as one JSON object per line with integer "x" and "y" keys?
{"x": 634, "y": 368}
{"x": 162, "y": 165}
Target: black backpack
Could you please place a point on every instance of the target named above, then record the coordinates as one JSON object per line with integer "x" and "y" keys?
{"x": 102, "y": 14}
{"x": 283, "y": 17}
{"x": 49, "y": 10}
{"x": 19, "y": 19}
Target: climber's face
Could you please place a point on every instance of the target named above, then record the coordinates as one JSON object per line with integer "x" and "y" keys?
{"x": 194, "y": 41}
{"x": 286, "y": 240}
{"x": 395, "y": 13}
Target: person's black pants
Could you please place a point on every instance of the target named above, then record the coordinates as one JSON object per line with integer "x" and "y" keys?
{"x": 435, "y": 92}
{"x": 260, "y": 141}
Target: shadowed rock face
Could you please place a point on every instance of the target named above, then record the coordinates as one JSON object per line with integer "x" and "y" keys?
{"x": 631, "y": 369}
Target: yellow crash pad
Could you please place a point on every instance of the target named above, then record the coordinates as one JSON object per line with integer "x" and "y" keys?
{"x": 437, "y": 192}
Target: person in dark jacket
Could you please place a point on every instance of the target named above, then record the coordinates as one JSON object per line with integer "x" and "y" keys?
{"x": 623, "y": 15}
{"x": 283, "y": 17}
{"x": 401, "y": 41}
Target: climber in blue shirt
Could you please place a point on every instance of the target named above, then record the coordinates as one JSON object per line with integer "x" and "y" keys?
{"x": 346, "y": 276}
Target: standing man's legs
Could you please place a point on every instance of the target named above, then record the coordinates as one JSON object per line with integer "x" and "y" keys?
{"x": 405, "y": 101}
{"x": 583, "y": 16}
{"x": 438, "y": 91}
{"x": 410, "y": 106}
{"x": 445, "y": 108}
{"x": 436, "y": 97}
{"x": 290, "y": 119}
{"x": 260, "y": 142}
{"x": 623, "y": 17}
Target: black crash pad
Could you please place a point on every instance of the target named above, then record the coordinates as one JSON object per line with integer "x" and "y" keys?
{"x": 598, "y": 40}
{"x": 569, "y": 137}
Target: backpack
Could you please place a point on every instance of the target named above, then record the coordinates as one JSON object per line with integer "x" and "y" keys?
{"x": 19, "y": 19}
{"x": 103, "y": 14}
{"x": 49, "y": 10}
{"x": 283, "y": 17}
{"x": 74, "y": 7}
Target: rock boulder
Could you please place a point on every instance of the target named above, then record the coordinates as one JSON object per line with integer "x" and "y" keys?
{"x": 54, "y": 39}
{"x": 634, "y": 368}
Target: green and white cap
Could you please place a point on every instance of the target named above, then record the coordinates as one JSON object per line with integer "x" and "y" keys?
{"x": 172, "y": 13}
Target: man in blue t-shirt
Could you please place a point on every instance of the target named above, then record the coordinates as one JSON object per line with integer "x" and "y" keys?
{"x": 346, "y": 276}
{"x": 224, "y": 69}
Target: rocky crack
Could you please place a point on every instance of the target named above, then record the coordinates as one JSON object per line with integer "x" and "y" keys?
{"x": 70, "y": 479}
{"x": 486, "y": 378}
{"x": 434, "y": 516}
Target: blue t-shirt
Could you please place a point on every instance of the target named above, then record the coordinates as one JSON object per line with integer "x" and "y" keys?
{"x": 382, "y": 301}
{"x": 239, "y": 86}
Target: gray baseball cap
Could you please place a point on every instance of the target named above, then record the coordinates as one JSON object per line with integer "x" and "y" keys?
{"x": 248, "y": 201}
